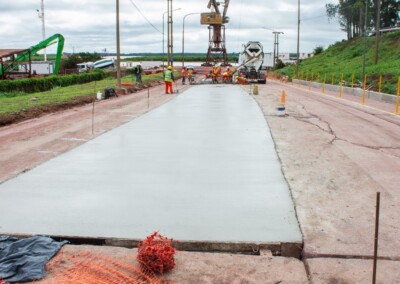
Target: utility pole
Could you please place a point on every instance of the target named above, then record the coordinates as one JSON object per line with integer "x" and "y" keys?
{"x": 118, "y": 51}
{"x": 365, "y": 39}
{"x": 41, "y": 16}
{"x": 276, "y": 47}
{"x": 377, "y": 30}
{"x": 298, "y": 39}
{"x": 170, "y": 35}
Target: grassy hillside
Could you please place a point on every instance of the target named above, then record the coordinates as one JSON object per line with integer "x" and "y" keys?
{"x": 346, "y": 58}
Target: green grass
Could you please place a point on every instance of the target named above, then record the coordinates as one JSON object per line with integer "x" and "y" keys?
{"x": 16, "y": 102}
{"x": 346, "y": 58}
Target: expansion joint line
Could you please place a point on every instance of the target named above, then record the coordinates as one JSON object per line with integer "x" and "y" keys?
{"x": 342, "y": 256}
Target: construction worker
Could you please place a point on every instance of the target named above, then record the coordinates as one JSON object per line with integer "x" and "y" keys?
{"x": 190, "y": 76}
{"x": 241, "y": 80}
{"x": 183, "y": 74}
{"x": 226, "y": 76}
{"x": 137, "y": 71}
{"x": 214, "y": 74}
{"x": 168, "y": 79}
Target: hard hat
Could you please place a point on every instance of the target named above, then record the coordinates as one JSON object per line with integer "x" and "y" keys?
{"x": 169, "y": 68}
{"x": 237, "y": 77}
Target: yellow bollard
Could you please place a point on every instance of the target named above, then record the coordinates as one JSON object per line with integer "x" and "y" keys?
{"x": 255, "y": 90}
{"x": 365, "y": 90}
{"x": 380, "y": 83}
{"x": 312, "y": 76}
{"x": 333, "y": 78}
{"x": 398, "y": 95}
{"x": 341, "y": 87}
{"x": 352, "y": 80}
{"x": 283, "y": 97}
{"x": 323, "y": 84}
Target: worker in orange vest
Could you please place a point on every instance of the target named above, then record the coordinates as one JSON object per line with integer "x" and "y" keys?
{"x": 214, "y": 74}
{"x": 241, "y": 80}
{"x": 190, "y": 74}
{"x": 183, "y": 74}
{"x": 226, "y": 77}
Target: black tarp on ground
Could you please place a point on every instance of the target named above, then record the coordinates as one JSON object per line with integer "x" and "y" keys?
{"x": 23, "y": 260}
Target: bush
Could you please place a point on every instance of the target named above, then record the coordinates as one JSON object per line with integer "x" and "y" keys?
{"x": 32, "y": 85}
{"x": 318, "y": 49}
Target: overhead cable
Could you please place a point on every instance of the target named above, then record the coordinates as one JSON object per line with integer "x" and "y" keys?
{"x": 137, "y": 8}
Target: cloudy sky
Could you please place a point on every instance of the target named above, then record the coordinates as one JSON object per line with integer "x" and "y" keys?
{"x": 89, "y": 25}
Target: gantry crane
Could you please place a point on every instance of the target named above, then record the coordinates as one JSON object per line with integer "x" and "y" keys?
{"x": 216, "y": 25}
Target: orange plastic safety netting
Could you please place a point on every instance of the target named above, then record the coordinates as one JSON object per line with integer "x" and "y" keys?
{"x": 96, "y": 268}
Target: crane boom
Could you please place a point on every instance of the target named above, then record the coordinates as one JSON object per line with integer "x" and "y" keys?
{"x": 225, "y": 10}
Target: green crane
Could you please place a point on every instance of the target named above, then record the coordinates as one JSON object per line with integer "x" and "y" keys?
{"x": 26, "y": 54}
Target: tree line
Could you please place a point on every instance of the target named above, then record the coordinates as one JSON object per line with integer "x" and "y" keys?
{"x": 351, "y": 15}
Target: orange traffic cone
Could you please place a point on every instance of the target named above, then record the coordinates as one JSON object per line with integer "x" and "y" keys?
{"x": 283, "y": 97}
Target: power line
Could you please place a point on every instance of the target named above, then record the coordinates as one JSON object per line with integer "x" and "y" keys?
{"x": 312, "y": 18}
{"x": 137, "y": 8}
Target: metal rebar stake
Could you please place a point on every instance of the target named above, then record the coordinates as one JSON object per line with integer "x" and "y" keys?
{"x": 378, "y": 198}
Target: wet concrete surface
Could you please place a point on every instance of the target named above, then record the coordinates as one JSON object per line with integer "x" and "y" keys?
{"x": 201, "y": 167}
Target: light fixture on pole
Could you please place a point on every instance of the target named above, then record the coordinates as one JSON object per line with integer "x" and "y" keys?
{"x": 163, "y": 35}
{"x": 41, "y": 16}
{"x": 183, "y": 37}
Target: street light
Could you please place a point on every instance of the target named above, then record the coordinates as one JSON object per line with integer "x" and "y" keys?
{"x": 163, "y": 34}
{"x": 183, "y": 37}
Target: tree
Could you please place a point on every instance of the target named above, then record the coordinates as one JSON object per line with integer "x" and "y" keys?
{"x": 351, "y": 15}
{"x": 389, "y": 13}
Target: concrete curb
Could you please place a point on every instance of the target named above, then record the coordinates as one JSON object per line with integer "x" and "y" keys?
{"x": 279, "y": 249}
{"x": 388, "y": 98}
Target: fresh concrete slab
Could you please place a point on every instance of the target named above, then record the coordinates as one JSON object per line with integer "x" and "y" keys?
{"x": 201, "y": 167}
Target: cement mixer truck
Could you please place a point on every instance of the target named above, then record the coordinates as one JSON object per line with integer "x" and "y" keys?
{"x": 250, "y": 63}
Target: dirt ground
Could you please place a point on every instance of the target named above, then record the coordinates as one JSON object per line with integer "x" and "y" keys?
{"x": 335, "y": 156}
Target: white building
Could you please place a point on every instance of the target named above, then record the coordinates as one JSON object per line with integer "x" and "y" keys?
{"x": 287, "y": 58}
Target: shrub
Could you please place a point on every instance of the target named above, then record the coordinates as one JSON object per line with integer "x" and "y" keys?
{"x": 32, "y": 85}
{"x": 318, "y": 49}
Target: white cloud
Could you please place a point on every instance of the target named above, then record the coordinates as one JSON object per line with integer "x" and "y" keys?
{"x": 89, "y": 25}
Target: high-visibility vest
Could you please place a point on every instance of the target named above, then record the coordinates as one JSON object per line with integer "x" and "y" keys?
{"x": 168, "y": 76}
{"x": 190, "y": 72}
{"x": 183, "y": 73}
